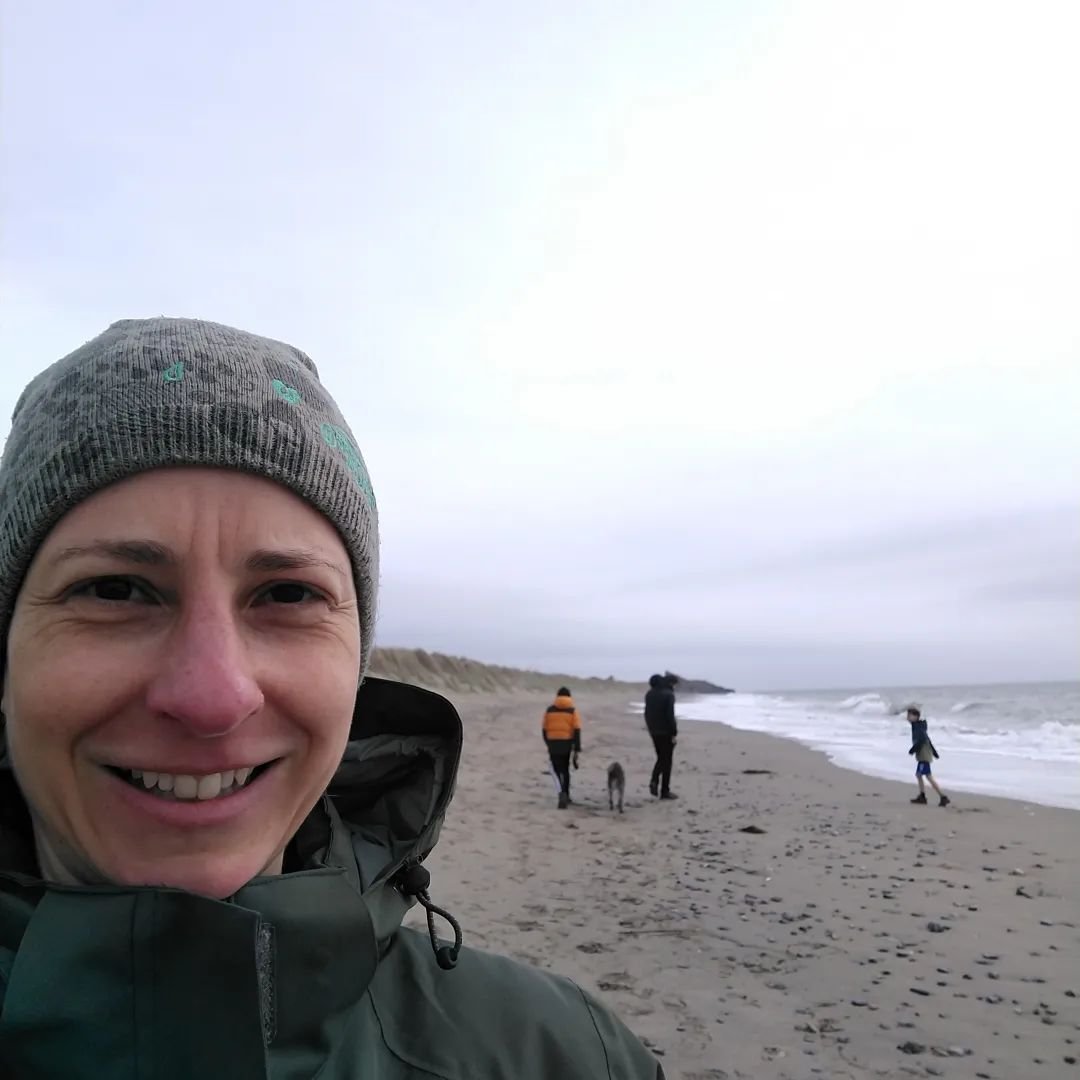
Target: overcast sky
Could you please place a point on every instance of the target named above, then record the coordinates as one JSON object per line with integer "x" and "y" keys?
{"x": 736, "y": 338}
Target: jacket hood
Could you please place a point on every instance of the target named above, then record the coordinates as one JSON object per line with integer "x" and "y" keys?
{"x": 397, "y": 774}
{"x": 564, "y": 701}
{"x": 280, "y": 962}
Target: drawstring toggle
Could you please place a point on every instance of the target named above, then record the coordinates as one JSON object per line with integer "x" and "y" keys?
{"x": 414, "y": 881}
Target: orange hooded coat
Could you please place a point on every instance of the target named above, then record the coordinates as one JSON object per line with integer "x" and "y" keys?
{"x": 562, "y": 722}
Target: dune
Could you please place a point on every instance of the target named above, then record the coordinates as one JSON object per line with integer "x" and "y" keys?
{"x": 456, "y": 674}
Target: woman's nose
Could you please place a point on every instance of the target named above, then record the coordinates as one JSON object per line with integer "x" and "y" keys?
{"x": 206, "y": 681}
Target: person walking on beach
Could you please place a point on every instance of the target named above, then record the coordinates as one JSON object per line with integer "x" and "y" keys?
{"x": 660, "y": 720}
{"x": 924, "y": 752}
{"x": 562, "y": 734}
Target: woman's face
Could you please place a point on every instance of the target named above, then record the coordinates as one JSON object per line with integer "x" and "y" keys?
{"x": 181, "y": 670}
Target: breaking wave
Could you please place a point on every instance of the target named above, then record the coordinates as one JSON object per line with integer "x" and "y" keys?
{"x": 872, "y": 705}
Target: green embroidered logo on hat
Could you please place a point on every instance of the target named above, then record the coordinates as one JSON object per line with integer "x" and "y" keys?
{"x": 286, "y": 392}
{"x": 340, "y": 441}
{"x": 174, "y": 373}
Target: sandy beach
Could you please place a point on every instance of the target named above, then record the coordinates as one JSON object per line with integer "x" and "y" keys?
{"x": 849, "y": 935}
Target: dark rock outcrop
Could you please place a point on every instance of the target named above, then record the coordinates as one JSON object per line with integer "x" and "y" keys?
{"x": 695, "y": 686}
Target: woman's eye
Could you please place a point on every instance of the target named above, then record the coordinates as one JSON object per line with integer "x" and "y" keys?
{"x": 289, "y": 593}
{"x": 112, "y": 590}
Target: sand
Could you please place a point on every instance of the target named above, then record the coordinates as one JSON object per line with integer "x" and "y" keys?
{"x": 856, "y": 936}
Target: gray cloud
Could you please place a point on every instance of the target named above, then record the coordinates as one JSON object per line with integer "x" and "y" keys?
{"x": 661, "y": 354}
{"x": 1052, "y": 588}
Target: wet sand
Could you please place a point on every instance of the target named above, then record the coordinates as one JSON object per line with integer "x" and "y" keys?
{"x": 854, "y": 936}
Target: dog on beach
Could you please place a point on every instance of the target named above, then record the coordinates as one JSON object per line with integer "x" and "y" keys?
{"x": 616, "y": 785}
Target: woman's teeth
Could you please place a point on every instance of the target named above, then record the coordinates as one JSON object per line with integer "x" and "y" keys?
{"x": 189, "y": 788}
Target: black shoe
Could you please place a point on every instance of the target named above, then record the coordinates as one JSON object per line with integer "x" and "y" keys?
{"x": 920, "y": 798}
{"x": 564, "y": 800}
{"x": 669, "y": 795}
{"x": 654, "y": 789}
{"x": 944, "y": 800}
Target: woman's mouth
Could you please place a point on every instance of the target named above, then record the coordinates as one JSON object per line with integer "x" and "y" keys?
{"x": 184, "y": 787}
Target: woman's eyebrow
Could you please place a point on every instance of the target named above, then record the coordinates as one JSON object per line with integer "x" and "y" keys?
{"x": 271, "y": 561}
{"x": 140, "y": 552}
{"x": 151, "y": 553}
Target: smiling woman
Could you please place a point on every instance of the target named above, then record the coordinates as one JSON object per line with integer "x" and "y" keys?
{"x": 155, "y": 679}
{"x": 197, "y": 779}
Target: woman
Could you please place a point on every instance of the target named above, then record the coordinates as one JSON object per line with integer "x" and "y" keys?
{"x": 211, "y": 824}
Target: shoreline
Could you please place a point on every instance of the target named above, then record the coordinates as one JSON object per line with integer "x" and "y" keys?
{"x": 908, "y": 785}
{"x": 965, "y": 772}
{"x": 853, "y": 936}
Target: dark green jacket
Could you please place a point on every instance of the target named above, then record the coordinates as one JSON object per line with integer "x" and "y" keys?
{"x": 308, "y": 974}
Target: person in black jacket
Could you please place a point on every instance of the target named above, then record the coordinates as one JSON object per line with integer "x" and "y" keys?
{"x": 660, "y": 720}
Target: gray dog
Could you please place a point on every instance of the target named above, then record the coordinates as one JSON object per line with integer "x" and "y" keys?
{"x": 616, "y": 785}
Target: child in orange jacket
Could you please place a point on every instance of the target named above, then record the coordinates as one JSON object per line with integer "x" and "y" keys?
{"x": 562, "y": 734}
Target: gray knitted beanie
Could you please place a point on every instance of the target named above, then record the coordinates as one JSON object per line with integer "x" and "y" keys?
{"x": 150, "y": 393}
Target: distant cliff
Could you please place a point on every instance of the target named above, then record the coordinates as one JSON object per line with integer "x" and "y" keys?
{"x": 696, "y": 686}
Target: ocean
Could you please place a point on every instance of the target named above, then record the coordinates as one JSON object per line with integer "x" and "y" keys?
{"x": 1019, "y": 742}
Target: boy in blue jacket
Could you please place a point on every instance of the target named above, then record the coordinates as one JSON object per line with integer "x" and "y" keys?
{"x": 924, "y": 752}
